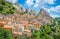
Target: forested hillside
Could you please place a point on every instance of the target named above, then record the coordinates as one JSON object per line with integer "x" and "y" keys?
{"x": 58, "y": 18}
{"x": 6, "y": 7}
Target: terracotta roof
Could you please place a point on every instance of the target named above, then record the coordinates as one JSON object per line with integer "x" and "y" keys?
{"x": 8, "y": 27}
{"x": 17, "y": 33}
{"x": 1, "y": 24}
{"x": 2, "y": 21}
{"x": 27, "y": 30}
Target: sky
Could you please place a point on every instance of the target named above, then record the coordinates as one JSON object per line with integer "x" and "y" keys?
{"x": 51, "y": 6}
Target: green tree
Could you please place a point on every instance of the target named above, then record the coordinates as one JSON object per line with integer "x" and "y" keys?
{"x": 47, "y": 32}
{"x": 4, "y": 34}
{"x": 6, "y": 7}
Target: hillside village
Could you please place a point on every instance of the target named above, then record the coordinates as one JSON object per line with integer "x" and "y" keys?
{"x": 17, "y": 22}
{"x": 24, "y": 20}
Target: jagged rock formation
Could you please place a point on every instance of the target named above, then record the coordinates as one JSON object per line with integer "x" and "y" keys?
{"x": 31, "y": 12}
{"x": 27, "y": 11}
{"x": 44, "y": 17}
{"x": 44, "y": 13}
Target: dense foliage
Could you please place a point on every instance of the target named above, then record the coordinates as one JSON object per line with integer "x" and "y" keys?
{"x": 5, "y": 34}
{"x": 44, "y": 32}
{"x": 49, "y": 31}
{"x": 6, "y": 7}
{"x": 58, "y": 19}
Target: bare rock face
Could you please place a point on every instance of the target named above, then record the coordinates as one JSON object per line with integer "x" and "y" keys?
{"x": 44, "y": 17}
{"x": 44, "y": 13}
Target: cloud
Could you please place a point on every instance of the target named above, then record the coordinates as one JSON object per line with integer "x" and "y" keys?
{"x": 56, "y": 9}
{"x": 39, "y": 2}
{"x": 54, "y": 16}
{"x": 49, "y": 1}
{"x": 12, "y": 1}
{"x": 36, "y": 3}
{"x": 48, "y": 10}
{"x": 29, "y": 2}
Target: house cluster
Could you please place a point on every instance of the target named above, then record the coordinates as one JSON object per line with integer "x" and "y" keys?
{"x": 24, "y": 23}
